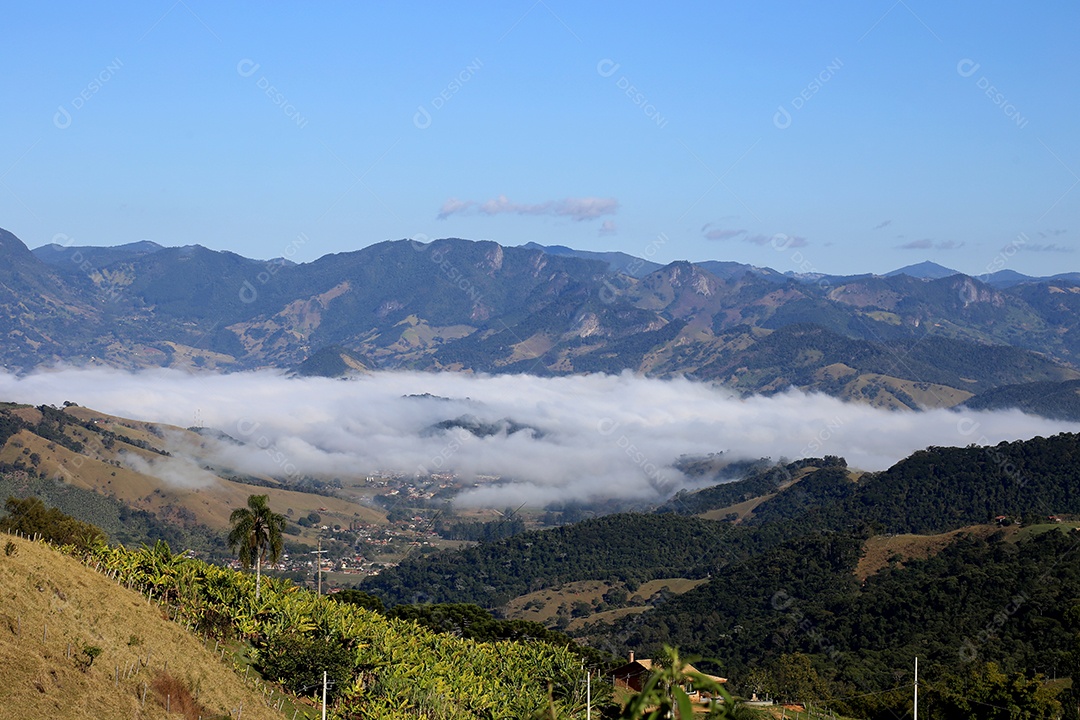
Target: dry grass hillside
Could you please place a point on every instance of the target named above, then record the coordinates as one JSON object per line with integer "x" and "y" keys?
{"x": 52, "y": 608}
{"x": 543, "y": 606}
{"x": 140, "y": 478}
{"x": 881, "y": 550}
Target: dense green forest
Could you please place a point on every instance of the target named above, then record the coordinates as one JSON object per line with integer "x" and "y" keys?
{"x": 632, "y": 546}
{"x": 932, "y": 491}
{"x": 941, "y": 489}
{"x": 1015, "y": 604}
{"x": 1058, "y": 400}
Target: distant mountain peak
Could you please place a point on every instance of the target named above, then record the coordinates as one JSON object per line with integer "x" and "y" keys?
{"x": 142, "y": 246}
{"x": 9, "y": 243}
{"x": 925, "y": 270}
{"x": 333, "y": 361}
{"x": 618, "y": 262}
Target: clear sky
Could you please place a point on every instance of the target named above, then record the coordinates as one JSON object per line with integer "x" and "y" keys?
{"x": 825, "y": 136}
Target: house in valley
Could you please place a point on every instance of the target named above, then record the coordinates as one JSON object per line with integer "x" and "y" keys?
{"x": 635, "y": 673}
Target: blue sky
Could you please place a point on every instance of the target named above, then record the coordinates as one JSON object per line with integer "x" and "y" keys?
{"x": 830, "y": 137}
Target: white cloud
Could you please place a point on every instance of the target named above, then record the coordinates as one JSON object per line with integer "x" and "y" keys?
{"x": 722, "y": 233}
{"x": 600, "y": 436}
{"x": 779, "y": 240}
{"x": 1041, "y": 247}
{"x": 928, "y": 244}
{"x": 179, "y": 471}
{"x": 585, "y": 208}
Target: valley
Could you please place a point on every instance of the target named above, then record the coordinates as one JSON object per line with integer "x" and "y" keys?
{"x": 410, "y": 483}
{"x": 540, "y": 360}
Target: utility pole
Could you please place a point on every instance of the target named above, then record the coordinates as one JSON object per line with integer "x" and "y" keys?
{"x": 588, "y": 695}
{"x": 323, "y": 695}
{"x": 318, "y": 564}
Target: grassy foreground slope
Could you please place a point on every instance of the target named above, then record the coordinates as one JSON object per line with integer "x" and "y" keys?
{"x": 382, "y": 668}
{"x": 49, "y": 601}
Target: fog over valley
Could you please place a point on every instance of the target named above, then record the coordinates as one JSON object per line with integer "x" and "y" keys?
{"x": 520, "y": 438}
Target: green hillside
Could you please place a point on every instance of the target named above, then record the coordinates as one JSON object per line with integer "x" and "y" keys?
{"x": 784, "y": 590}
{"x": 976, "y": 601}
{"x": 932, "y": 491}
{"x": 1058, "y": 400}
{"x": 633, "y": 546}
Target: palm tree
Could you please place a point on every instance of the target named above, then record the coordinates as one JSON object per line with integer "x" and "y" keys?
{"x": 256, "y": 534}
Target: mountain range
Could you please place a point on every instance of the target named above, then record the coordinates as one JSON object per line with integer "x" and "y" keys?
{"x": 921, "y": 336}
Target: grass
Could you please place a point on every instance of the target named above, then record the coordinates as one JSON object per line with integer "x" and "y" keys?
{"x": 746, "y": 508}
{"x": 51, "y": 605}
{"x": 928, "y": 395}
{"x": 545, "y": 603}
{"x": 1029, "y": 531}
{"x": 878, "y": 549}
{"x": 743, "y": 509}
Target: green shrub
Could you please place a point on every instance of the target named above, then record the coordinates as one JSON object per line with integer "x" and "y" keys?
{"x": 298, "y": 662}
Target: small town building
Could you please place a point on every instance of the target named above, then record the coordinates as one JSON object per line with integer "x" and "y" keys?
{"x": 635, "y": 673}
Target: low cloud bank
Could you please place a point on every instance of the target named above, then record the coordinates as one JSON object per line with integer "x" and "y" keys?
{"x": 587, "y": 437}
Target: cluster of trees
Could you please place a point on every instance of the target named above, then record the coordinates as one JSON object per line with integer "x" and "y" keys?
{"x": 312, "y": 519}
{"x": 763, "y": 478}
{"x": 30, "y": 516}
{"x": 978, "y": 690}
{"x": 941, "y": 489}
{"x": 55, "y": 423}
{"x": 633, "y": 546}
{"x": 9, "y": 424}
{"x": 120, "y": 522}
{"x": 932, "y": 491}
{"x": 488, "y": 531}
{"x": 58, "y": 426}
{"x": 300, "y": 484}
